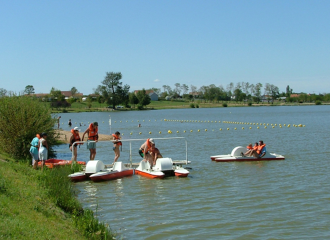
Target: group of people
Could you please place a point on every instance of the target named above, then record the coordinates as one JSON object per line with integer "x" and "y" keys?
{"x": 257, "y": 151}
{"x": 147, "y": 151}
{"x": 39, "y": 150}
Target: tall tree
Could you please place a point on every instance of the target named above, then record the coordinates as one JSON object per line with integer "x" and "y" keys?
{"x": 133, "y": 99}
{"x": 156, "y": 90}
{"x": 288, "y": 91}
{"x": 3, "y": 92}
{"x": 257, "y": 91}
{"x": 178, "y": 88}
{"x": 29, "y": 89}
{"x": 193, "y": 89}
{"x": 56, "y": 95}
{"x": 113, "y": 89}
{"x": 74, "y": 91}
{"x": 144, "y": 98}
{"x": 185, "y": 88}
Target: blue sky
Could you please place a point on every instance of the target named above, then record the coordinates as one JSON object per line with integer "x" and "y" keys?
{"x": 66, "y": 44}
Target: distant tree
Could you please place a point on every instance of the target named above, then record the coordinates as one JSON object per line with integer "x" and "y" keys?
{"x": 144, "y": 98}
{"x": 133, "y": 99}
{"x": 74, "y": 91}
{"x": 3, "y": 92}
{"x": 288, "y": 91}
{"x": 177, "y": 88}
{"x": 29, "y": 89}
{"x": 56, "y": 95}
{"x": 230, "y": 87}
{"x": 156, "y": 90}
{"x": 257, "y": 91}
{"x": 112, "y": 89}
{"x": 185, "y": 88}
{"x": 193, "y": 88}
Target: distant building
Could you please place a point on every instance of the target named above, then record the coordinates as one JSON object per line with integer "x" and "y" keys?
{"x": 195, "y": 94}
{"x": 153, "y": 96}
{"x": 294, "y": 95}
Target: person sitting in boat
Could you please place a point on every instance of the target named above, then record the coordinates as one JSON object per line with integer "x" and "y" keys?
{"x": 116, "y": 143}
{"x": 155, "y": 154}
{"x": 144, "y": 150}
{"x": 250, "y": 150}
{"x": 74, "y": 138}
{"x": 261, "y": 151}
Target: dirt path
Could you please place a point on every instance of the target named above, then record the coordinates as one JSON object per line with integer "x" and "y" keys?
{"x": 64, "y": 136}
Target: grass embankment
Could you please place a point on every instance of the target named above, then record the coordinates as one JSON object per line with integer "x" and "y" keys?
{"x": 37, "y": 204}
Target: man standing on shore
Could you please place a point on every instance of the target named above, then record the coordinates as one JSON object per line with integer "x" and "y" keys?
{"x": 92, "y": 132}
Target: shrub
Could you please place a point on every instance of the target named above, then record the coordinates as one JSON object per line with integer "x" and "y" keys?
{"x": 249, "y": 104}
{"x": 224, "y": 105}
{"x": 197, "y": 106}
{"x": 140, "y": 107}
{"x": 192, "y": 105}
{"x": 21, "y": 117}
{"x": 60, "y": 104}
{"x": 318, "y": 103}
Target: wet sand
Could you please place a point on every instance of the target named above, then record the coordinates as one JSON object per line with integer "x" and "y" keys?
{"x": 64, "y": 136}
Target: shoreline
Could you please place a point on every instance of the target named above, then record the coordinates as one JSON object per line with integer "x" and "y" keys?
{"x": 64, "y": 136}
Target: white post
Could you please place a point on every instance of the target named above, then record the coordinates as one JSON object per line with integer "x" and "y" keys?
{"x": 110, "y": 123}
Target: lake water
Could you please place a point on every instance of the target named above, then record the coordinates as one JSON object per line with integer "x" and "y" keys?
{"x": 287, "y": 199}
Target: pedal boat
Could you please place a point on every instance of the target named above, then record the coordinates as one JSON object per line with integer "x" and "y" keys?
{"x": 164, "y": 167}
{"x": 92, "y": 167}
{"x": 117, "y": 171}
{"x": 236, "y": 156}
{"x": 51, "y": 163}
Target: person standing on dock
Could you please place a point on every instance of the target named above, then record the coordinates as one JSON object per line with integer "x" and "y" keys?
{"x": 93, "y": 136}
{"x": 116, "y": 143}
{"x": 144, "y": 150}
{"x": 58, "y": 122}
{"x": 74, "y": 138}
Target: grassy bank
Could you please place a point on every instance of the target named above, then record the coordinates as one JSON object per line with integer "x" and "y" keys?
{"x": 37, "y": 204}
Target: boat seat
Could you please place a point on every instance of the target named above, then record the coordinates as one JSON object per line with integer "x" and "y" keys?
{"x": 237, "y": 151}
{"x": 163, "y": 164}
{"x": 118, "y": 166}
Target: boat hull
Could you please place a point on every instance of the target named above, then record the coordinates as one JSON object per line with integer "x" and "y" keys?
{"x": 77, "y": 177}
{"x": 150, "y": 174}
{"x": 247, "y": 159}
{"x": 111, "y": 175}
{"x": 51, "y": 163}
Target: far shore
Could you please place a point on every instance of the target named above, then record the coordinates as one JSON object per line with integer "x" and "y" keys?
{"x": 64, "y": 136}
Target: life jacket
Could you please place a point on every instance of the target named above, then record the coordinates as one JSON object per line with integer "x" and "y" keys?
{"x": 117, "y": 138}
{"x": 76, "y": 137}
{"x": 249, "y": 147}
{"x": 255, "y": 148}
{"x": 145, "y": 151}
{"x": 92, "y": 134}
{"x": 260, "y": 148}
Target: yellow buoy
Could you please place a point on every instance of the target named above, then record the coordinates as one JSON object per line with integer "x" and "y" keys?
{"x": 160, "y": 132}
{"x": 190, "y": 130}
{"x": 273, "y": 126}
{"x": 205, "y": 130}
{"x": 258, "y": 127}
{"x": 227, "y": 128}
{"x": 177, "y": 131}
{"x": 184, "y": 131}
{"x": 149, "y": 132}
{"x": 235, "y": 128}
{"x": 243, "y": 128}
{"x": 265, "y": 126}
{"x": 220, "y": 129}
{"x": 250, "y": 127}
{"x": 140, "y": 132}
{"x": 198, "y": 130}
{"x": 131, "y": 133}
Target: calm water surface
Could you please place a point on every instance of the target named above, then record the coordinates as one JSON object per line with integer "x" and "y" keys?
{"x": 250, "y": 200}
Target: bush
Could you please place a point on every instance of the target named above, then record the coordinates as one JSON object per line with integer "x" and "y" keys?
{"x": 249, "y": 104}
{"x": 192, "y": 105}
{"x": 140, "y": 107}
{"x": 197, "y": 106}
{"x": 58, "y": 104}
{"x": 21, "y": 117}
{"x": 224, "y": 105}
{"x": 318, "y": 103}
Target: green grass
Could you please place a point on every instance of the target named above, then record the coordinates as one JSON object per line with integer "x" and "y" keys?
{"x": 37, "y": 204}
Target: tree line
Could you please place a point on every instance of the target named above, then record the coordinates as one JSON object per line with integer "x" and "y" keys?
{"x": 113, "y": 92}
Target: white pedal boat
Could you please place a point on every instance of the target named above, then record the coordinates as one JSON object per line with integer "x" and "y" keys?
{"x": 235, "y": 156}
{"x": 164, "y": 167}
{"x": 117, "y": 171}
{"x": 96, "y": 171}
